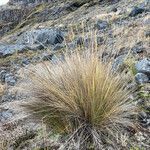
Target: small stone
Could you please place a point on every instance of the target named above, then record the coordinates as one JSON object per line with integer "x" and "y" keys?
{"x": 141, "y": 102}
{"x": 10, "y": 79}
{"x": 101, "y": 24}
{"x": 147, "y": 109}
{"x": 80, "y": 41}
{"x": 135, "y": 11}
{"x": 140, "y": 137}
{"x": 138, "y": 48}
{"x": 144, "y": 119}
{"x": 142, "y": 115}
{"x": 5, "y": 115}
{"x": 114, "y": 9}
{"x": 8, "y": 97}
{"x": 118, "y": 62}
{"x": 146, "y": 21}
{"x": 143, "y": 66}
{"x": 141, "y": 78}
{"x": 35, "y": 59}
{"x": 148, "y": 122}
{"x": 2, "y": 75}
{"x": 25, "y": 62}
{"x": 147, "y": 34}
{"x": 100, "y": 40}
{"x": 145, "y": 3}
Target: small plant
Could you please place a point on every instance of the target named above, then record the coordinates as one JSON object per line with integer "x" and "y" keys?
{"x": 81, "y": 97}
{"x": 130, "y": 62}
{"x": 136, "y": 148}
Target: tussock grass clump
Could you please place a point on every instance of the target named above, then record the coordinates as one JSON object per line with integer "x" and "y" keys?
{"x": 83, "y": 97}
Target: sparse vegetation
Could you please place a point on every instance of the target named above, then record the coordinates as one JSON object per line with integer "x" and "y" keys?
{"x": 81, "y": 97}
{"x": 79, "y": 88}
{"x": 130, "y": 62}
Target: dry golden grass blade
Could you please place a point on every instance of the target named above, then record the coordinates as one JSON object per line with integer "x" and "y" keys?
{"x": 1, "y": 89}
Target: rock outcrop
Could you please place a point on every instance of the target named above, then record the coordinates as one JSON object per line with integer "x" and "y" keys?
{"x": 10, "y": 16}
{"x": 29, "y": 2}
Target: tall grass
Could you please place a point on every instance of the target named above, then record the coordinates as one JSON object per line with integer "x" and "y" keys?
{"x": 82, "y": 97}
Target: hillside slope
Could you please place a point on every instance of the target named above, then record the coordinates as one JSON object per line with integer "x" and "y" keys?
{"x": 31, "y": 32}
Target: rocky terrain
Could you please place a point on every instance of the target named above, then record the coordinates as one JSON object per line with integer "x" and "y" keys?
{"x": 31, "y": 32}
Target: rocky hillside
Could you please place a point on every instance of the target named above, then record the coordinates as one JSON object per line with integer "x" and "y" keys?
{"x": 32, "y": 31}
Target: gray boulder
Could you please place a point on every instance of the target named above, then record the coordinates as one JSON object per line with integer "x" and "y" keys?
{"x": 136, "y": 10}
{"x": 6, "y": 50}
{"x": 10, "y": 16}
{"x": 42, "y": 37}
{"x": 143, "y": 66}
{"x": 28, "y": 2}
{"x": 33, "y": 40}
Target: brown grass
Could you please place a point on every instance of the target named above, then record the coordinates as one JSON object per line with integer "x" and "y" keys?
{"x": 83, "y": 97}
{"x": 1, "y": 89}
